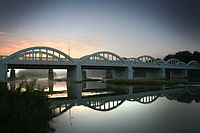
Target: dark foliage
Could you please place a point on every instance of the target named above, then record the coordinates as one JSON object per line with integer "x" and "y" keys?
{"x": 24, "y": 112}
{"x": 184, "y": 56}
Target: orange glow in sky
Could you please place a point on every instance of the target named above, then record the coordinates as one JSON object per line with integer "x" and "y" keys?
{"x": 78, "y": 46}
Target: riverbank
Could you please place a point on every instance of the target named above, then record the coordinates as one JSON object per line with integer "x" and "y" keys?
{"x": 24, "y": 112}
{"x": 135, "y": 81}
{"x": 87, "y": 79}
{"x": 145, "y": 82}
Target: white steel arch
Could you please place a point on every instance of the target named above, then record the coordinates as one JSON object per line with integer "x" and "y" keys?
{"x": 146, "y": 59}
{"x": 39, "y": 54}
{"x": 103, "y": 57}
{"x": 103, "y": 105}
{"x": 193, "y": 63}
{"x": 174, "y": 62}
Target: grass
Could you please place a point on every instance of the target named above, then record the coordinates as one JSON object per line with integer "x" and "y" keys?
{"x": 60, "y": 79}
{"x": 144, "y": 82}
{"x": 87, "y": 79}
{"x": 24, "y": 112}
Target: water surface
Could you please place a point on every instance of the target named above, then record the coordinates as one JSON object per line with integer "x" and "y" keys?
{"x": 99, "y": 107}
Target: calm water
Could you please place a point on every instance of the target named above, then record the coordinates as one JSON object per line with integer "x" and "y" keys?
{"x": 94, "y": 107}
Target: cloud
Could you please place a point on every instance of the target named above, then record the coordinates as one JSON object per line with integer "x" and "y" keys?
{"x": 79, "y": 46}
{"x": 3, "y": 33}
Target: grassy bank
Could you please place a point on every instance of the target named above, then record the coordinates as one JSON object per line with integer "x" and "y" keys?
{"x": 145, "y": 82}
{"x": 87, "y": 79}
{"x": 24, "y": 112}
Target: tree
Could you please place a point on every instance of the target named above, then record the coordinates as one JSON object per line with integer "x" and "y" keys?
{"x": 184, "y": 56}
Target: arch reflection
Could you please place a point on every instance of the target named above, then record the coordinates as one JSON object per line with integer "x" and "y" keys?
{"x": 113, "y": 98}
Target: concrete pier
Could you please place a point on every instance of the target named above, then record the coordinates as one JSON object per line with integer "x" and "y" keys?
{"x": 50, "y": 75}
{"x": 3, "y": 72}
{"x": 12, "y": 79}
{"x": 74, "y": 73}
{"x": 84, "y": 74}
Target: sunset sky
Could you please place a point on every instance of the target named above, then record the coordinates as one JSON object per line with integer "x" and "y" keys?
{"x": 128, "y": 28}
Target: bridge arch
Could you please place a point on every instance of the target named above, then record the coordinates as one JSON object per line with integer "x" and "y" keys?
{"x": 145, "y": 99}
{"x": 174, "y": 61}
{"x": 102, "y": 56}
{"x": 146, "y": 59}
{"x": 101, "y": 105}
{"x": 40, "y": 54}
{"x": 60, "y": 109}
{"x": 193, "y": 63}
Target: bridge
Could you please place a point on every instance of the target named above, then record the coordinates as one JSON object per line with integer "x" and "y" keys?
{"x": 116, "y": 67}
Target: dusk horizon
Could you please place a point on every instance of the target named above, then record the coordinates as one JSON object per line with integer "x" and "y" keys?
{"x": 127, "y": 28}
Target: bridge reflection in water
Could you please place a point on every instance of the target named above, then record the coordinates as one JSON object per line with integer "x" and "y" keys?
{"x": 111, "y": 97}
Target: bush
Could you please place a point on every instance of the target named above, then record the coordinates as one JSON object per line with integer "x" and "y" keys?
{"x": 24, "y": 112}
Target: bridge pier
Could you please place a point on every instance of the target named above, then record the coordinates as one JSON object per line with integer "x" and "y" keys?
{"x": 162, "y": 73}
{"x": 84, "y": 74}
{"x": 74, "y": 73}
{"x": 12, "y": 79}
{"x": 109, "y": 74}
{"x": 50, "y": 85}
{"x": 12, "y": 74}
{"x": 3, "y": 72}
{"x": 50, "y": 75}
{"x": 186, "y": 73}
{"x": 74, "y": 90}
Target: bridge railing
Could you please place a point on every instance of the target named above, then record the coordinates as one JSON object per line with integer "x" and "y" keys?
{"x": 102, "y": 61}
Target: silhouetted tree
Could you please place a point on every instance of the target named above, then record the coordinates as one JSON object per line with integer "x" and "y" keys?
{"x": 184, "y": 56}
{"x": 196, "y": 56}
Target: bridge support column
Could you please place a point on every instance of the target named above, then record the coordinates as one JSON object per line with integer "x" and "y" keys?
{"x": 109, "y": 74}
{"x": 162, "y": 73}
{"x": 3, "y": 72}
{"x": 12, "y": 78}
{"x": 50, "y": 75}
{"x": 50, "y": 85}
{"x": 74, "y": 90}
{"x": 130, "y": 72}
{"x": 74, "y": 74}
{"x": 186, "y": 73}
{"x": 12, "y": 74}
{"x": 84, "y": 74}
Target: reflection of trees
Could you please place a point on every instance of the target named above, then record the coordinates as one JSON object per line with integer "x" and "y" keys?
{"x": 187, "y": 95}
{"x": 188, "y": 98}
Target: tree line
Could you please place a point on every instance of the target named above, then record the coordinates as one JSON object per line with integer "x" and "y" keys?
{"x": 184, "y": 56}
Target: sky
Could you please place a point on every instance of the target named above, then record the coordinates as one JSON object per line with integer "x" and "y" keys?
{"x": 129, "y": 28}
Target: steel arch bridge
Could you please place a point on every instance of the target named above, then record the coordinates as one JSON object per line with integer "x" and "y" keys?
{"x": 103, "y": 58}
{"x": 41, "y": 57}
